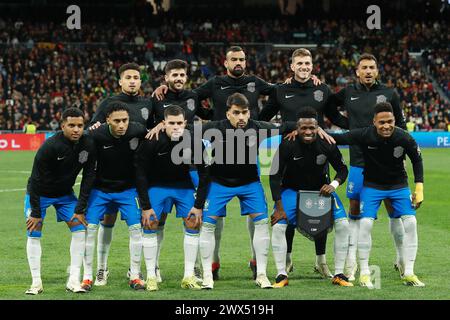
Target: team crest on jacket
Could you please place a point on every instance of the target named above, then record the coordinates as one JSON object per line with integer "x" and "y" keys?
{"x": 381, "y": 98}
{"x": 83, "y": 156}
{"x": 321, "y": 159}
{"x": 398, "y": 152}
{"x": 318, "y": 95}
{"x": 134, "y": 143}
{"x": 144, "y": 113}
{"x": 251, "y": 86}
{"x": 190, "y": 103}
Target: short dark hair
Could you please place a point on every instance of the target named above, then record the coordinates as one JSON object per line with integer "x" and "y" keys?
{"x": 175, "y": 64}
{"x": 366, "y": 56}
{"x": 383, "y": 107}
{"x": 307, "y": 113}
{"x": 237, "y": 99}
{"x": 174, "y": 110}
{"x": 128, "y": 66}
{"x": 234, "y": 49}
{"x": 72, "y": 112}
{"x": 116, "y": 106}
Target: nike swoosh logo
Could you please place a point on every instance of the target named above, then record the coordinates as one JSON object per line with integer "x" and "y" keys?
{"x": 161, "y": 154}
{"x": 107, "y": 147}
{"x": 223, "y": 88}
{"x": 369, "y": 147}
{"x": 166, "y": 105}
{"x": 60, "y": 158}
{"x": 354, "y": 98}
{"x": 298, "y": 158}
{"x": 287, "y": 97}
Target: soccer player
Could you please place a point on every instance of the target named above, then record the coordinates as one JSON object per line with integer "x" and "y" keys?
{"x": 358, "y": 100}
{"x": 162, "y": 183}
{"x": 56, "y": 166}
{"x": 384, "y": 147}
{"x": 176, "y": 78}
{"x": 288, "y": 99}
{"x": 236, "y": 176}
{"x": 140, "y": 110}
{"x": 303, "y": 165}
{"x": 115, "y": 188}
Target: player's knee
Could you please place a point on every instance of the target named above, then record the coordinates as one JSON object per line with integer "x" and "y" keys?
{"x": 342, "y": 227}
{"x": 135, "y": 230}
{"x": 409, "y": 223}
{"x": 260, "y": 219}
{"x": 279, "y": 229}
{"x": 208, "y": 227}
{"x": 106, "y": 225}
{"x": 365, "y": 225}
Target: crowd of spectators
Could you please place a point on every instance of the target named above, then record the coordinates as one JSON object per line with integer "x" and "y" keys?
{"x": 42, "y": 72}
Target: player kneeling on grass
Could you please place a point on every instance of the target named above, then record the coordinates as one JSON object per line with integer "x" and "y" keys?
{"x": 384, "y": 147}
{"x": 114, "y": 188}
{"x": 56, "y": 166}
{"x": 302, "y": 165}
{"x": 163, "y": 180}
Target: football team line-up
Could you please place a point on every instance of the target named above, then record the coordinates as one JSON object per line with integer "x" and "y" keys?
{"x": 137, "y": 157}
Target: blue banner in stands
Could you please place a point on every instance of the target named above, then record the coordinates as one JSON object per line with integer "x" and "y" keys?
{"x": 424, "y": 139}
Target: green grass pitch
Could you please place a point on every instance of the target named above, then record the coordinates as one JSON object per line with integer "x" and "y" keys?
{"x": 432, "y": 265}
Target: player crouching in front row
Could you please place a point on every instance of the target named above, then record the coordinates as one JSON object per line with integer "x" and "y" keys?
{"x": 384, "y": 147}
{"x": 163, "y": 180}
{"x": 302, "y": 165}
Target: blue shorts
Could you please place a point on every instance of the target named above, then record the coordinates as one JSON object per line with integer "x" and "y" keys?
{"x": 195, "y": 179}
{"x": 101, "y": 203}
{"x": 251, "y": 197}
{"x": 163, "y": 199}
{"x": 400, "y": 200}
{"x": 64, "y": 206}
{"x": 289, "y": 201}
{"x": 355, "y": 182}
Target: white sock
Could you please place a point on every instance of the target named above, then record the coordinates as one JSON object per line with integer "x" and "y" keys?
{"x": 34, "y": 253}
{"x": 135, "y": 250}
{"x": 103, "y": 245}
{"x": 77, "y": 247}
{"x": 88, "y": 261}
{"x": 410, "y": 245}
{"x": 150, "y": 248}
{"x": 251, "y": 232}
{"x": 365, "y": 244}
{"x": 207, "y": 243}
{"x": 353, "y": 229}
{"x": 279, "y": 247}
{"x": 160, "y": 234}
{"x": 261, "y": 243}
{"x": 218, "y": 237}
{"x": 398, "y": 232}
{"x": 191, "y": 243}
{"x": 341, "y": 238}
{"x": 321, "y": 259}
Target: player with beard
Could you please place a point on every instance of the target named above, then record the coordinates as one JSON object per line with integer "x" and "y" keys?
{"x": 359, "y": 100}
